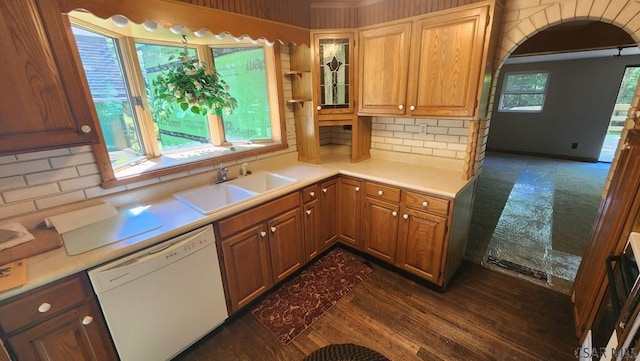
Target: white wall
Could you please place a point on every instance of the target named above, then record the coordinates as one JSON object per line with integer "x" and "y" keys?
{"x": 580, "y": 98}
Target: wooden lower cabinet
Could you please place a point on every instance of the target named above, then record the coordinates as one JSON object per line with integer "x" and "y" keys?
{"x": 247, "y": 265}
{"x": 312, "y": 229}
{"x": 329, "y": 215}
{"x": 420, "y": 244}
{"x": 349, "y": 211}
{"x": 261, "y": 247}
{"x": 60, "y": 321}
{"x": 286, "y": 244}
{"x": 380, "y": 229}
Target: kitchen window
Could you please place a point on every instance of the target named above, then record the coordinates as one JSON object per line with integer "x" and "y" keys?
{"x": 120, "y": 66}
{"x": 524, "y": 92}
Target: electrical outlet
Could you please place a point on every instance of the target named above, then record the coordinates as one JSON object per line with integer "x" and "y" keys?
{"x": 423, "y": 129}
{"x": 574, "y": 145}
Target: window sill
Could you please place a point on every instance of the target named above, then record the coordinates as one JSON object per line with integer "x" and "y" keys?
{"x": 177, "y": 162}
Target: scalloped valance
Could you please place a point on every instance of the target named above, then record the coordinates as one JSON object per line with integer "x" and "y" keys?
{"x": 168, "y": 13}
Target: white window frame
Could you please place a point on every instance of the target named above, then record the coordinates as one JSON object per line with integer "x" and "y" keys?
{"x": 504, "y": 92}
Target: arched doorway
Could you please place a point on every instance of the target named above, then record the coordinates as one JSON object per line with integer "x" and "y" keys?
{"x": 522, "y": 21}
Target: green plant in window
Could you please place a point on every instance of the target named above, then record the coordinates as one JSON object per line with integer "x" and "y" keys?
{"x": 186, "y": 85}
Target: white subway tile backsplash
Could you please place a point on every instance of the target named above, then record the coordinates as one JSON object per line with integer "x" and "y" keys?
{"x": 95, "y": 192}
{"x": 59, "y": 200}
{"x": 437, "y": 130}
{"x": 81, "y": 149}
{"x": 8, "y": 159}
{"x": 32, "y": 166}
{"x": 447, "y": 138}
{"x": 413, "y": 143}
{"x": 444, "y": 153}
{"x": 451, "y": 123}
{"x": 384, "y": 120}
{"x": 72, "y": 160}
{"x": 16, "y": 209}
{"x": 42, "y": 154}
{"x": 87, "y": 169}
{"x": 459, "y": 131}
{"x": 435, "y": 145}
{"x": 393, "y": 141}
{"x": 429, "y": 122}
{"x": 412, "y": 128}
{"x": 405, "y": 121}
{"x": 401, "y": 148}
{"x": 30, "y": 192}
{"x": 51, "y": 176}
{"x": 12, "y": 182}
{"x": 395, "y": 127}
{"x": 81, "y": 182}
{"x": 422, "y": 150}
{"x": 403, "y": 135}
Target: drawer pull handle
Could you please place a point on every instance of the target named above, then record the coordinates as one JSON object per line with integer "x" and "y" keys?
{"x": 380, "y": 193}
{"x": 394, "y": 213}
{"x": 308, "y": 211}
{"x": 405, "y": 216}
{"x": 85, "y": 129}
{"x": 87, "y": 320}
{"x": 412, "y": 108}
{"x": 312, "y": 194}
{"x": 263, "y": 234}
{"x": 318, "y": 107}
{"x": 401, "y": 106}
{"x": 425, "y": 204}
{"x": 324, "y": 190}
{"x": 44, "y": 307}
{"x": 357, "y": 189}
{"x": 273, "y": 229}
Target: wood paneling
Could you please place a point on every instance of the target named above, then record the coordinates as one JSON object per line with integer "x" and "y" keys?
{"x": 289, "y": 12}
{"x": 483, "y": 315}
{"x": 350, "y": 15}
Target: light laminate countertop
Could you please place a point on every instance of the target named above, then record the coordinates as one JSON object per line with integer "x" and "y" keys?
{"x": 178, "y": 218}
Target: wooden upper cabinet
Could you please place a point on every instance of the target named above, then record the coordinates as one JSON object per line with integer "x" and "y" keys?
{"x": 384, "y": 62}
{"x": 428, "y": 66}
{"x": 333, "y": 66}
{"x": 446, "y": 65}
{"x": 45, "y": 101}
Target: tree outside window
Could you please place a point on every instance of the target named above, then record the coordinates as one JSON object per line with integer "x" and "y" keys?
{"x": 524, "y": 92}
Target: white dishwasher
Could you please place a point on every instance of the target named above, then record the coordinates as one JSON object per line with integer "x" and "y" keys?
{"x": 161, "y": 300}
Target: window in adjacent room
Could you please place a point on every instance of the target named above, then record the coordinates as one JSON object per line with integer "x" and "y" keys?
{"x": 120, "y": 66}
{"x": 523, "y": 92}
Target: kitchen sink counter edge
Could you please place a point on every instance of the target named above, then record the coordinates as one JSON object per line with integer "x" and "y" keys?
{"x": 178, "y": 218}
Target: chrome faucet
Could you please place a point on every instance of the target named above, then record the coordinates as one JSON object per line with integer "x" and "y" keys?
{"x": 223, "y": 175}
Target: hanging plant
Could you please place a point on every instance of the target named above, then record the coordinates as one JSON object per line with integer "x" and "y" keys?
{"x": 187, "y": 84}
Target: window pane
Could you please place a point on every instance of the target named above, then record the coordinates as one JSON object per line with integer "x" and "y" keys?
{"x": 522, "y": 102}
{"x": 102, "y": 66}
{"x": 243, "y": 69}
{"x": 526, "y": 82}
{"x": 183, "y": 130}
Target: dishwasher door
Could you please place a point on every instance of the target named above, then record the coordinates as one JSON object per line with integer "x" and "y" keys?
{"x": 160, "y": 301}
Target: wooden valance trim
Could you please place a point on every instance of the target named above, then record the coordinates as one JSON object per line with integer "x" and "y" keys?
{"x": 169, "y": 12}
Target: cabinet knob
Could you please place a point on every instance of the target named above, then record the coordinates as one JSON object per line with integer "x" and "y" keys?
{"x": 324, "y": 190}
{"x": 263, "y": 234}
{"x": 273, "y": 229}
{"x": 312, "y": 194}
{"x": 405, "y": 216}
{"x": 44, "y": 307}
{"x": 425, "y": 204}
{"x": 400, "y": 106}
{"x": 412, "y": 108}
{"x": 318, "y": 107}
{"x": 380, "y": 193}
{"x": 85, "y": 129}
{"x": 308, "y": 211}
{"x": 357, "y": 189}
{"x": 87, "y": 320}
{"x": 394, "y": 213}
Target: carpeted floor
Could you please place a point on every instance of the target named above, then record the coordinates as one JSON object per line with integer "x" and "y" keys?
{"x": 298, "y": 303}
{"x": 533, "y": 216}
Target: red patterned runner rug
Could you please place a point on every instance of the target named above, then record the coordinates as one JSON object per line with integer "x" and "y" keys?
{"x": 302, "y": 300}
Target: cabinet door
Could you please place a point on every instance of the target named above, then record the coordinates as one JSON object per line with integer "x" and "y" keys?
{"x": 45, "y": 98}
{"x": 380, "y": 229}
{"x": 384, "y": 62}
{"x": 75, "y": 335}
{"x": 246, "y": 264}
{"x": 329, "y": 213}
{"x": 446, "y": 63}
{"x": 349, "y": 211}
{"x": 286, "y": 244}
{"x": 420, "y": 244}
{"x": 312, "y": 218}
{"x": 333, "y": 72}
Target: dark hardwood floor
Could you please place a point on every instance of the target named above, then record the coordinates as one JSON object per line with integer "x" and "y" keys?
{"x": 483, "y": 315}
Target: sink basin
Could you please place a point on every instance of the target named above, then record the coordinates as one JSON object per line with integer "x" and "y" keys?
{"x": 212, "y": 198}
{"x": 261, "y": 181}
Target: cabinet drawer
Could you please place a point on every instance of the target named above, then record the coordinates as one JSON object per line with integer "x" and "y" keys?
{"x": 237, "y": 223}
{"x": 310, "y": 193}
{"x": 384, "y": 192}
{"x": 424, "y": 202}
{"x": 41, "y": 304}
